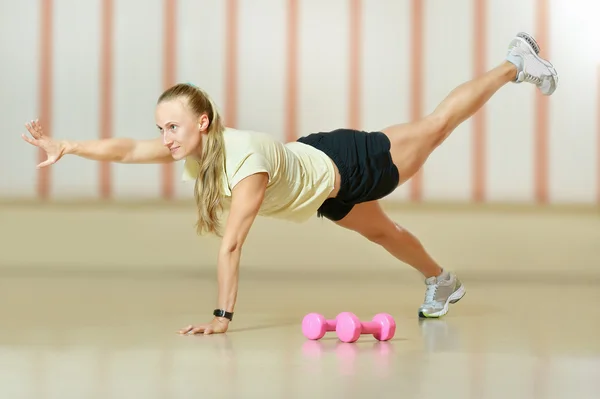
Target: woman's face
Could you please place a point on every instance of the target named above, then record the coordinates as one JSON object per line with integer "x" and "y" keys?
{"x": 180, "y": 128}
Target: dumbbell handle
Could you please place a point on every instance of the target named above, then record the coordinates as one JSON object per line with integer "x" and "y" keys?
{"x": 330, "y": 325}
{"x": 370, "y": 327}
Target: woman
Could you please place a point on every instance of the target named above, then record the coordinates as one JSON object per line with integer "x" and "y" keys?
{"x": 339, "y": 175}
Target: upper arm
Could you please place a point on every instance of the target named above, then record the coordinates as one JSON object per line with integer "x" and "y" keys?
{"x": 246, "y": 199}
{"x": 149, "y": 151}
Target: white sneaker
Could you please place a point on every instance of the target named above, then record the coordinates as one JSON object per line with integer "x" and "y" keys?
{"x": 523, "y": 52}
{"x": 441, "y": 291}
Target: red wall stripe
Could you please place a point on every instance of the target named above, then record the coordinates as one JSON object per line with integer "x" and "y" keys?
{"x": 231, "y": 63}
{"x": 354, "y": 103}
{"x": 478, "y": 366}
{"x": 291, "y": 120}
{"x": 106, "y": 92}
{"x": 541, "y": 108}
{"x": 45, "y": 99}
{"x": 541, "y": 370}
{"x": 479, "y": 119}
{"x": 169, "y": 79}
{"x": 416, "y": 88}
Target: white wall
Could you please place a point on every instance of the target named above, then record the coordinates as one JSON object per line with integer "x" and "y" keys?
{"x": 258, "y": 98}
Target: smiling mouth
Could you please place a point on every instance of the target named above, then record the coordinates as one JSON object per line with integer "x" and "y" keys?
{"x": 174, "y": 149}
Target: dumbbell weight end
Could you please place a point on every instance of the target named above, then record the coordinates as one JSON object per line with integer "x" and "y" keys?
{"x": 314, "y": 326}
{"x": 349, "y": 327}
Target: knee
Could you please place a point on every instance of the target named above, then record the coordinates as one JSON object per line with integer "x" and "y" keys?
{"x": 391, "y": 233}
{"x": 440, "y": 124}
{"x": 382, "y": 234}
{"x": 376, "y": 236}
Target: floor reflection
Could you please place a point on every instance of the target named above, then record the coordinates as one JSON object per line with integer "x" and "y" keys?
{"x": 378, "y": 354}
{"x": 59, "y": 344}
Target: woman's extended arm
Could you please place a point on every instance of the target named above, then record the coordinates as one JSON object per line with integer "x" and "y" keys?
{"x": 122, "y": 150}
{"x": 247, "y": 197}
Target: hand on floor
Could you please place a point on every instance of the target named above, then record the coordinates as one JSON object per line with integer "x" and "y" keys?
{"x": 216, "y": 326}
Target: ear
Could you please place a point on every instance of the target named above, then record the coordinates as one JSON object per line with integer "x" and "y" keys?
{"x": 203, "y": 123}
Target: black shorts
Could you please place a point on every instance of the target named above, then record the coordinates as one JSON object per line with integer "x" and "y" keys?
{"x": 365, "y": 164}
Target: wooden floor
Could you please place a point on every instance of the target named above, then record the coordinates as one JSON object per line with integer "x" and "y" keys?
{"x": 110, "y": 335}
{"x": 92, "y": 297}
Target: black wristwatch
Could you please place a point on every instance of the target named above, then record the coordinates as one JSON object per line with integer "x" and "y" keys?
{"x": 223, "y": 313}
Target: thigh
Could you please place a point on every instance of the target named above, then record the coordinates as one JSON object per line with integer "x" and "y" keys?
{"x": 368, "y": 219}
{"x": 412, "y": 143}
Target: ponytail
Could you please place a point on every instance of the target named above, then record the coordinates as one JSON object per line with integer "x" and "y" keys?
{"x": 208, "y": 190}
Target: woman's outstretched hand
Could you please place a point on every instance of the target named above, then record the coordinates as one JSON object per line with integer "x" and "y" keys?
{"x": 217, "y": 326}
{"x": 54, "y": 149}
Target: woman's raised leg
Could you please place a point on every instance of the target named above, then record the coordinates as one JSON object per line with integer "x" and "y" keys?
{"x": 413, "y": 142}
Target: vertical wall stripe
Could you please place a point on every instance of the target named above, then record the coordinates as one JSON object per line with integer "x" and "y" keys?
{"x": 169, "y": 79}
{"x": 598, "y": 137}
{"x": 416, "y": 88}
{"x": 166, "y": 364}
{"x": 543, "y": 363}
{"x": 39, "y": 387}
{"x": 102, "y": 382}
{"x": 45, "y": 98}
{"x": 541, "y": 375}
{"x": 479, "y": 119}
{"x": 355, "y": 76}
{"x": 106, "y": 92}
{"x": 231, "y": 63}
{"x": 541, "y": 108}
{"x": 291, "y": 120}
{"x": 478, "y": 369}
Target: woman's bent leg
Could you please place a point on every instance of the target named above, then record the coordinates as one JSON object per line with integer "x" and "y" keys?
{"x": 443, "y": 288}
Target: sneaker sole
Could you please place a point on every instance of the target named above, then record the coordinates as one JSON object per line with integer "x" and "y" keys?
{"x": 530, "y": 42}
{"x": 453, "y": 298}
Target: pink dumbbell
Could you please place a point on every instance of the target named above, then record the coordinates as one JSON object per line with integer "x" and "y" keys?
{"x": 314, "y": 325}
{"x": 349, "y": 328}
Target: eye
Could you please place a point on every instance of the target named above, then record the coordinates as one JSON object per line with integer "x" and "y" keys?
{"x": 173, "y": 127}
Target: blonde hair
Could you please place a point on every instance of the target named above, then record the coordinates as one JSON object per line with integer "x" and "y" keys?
{"x": 208, "y": 190}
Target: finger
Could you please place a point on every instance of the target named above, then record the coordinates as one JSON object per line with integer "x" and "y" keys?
{"x": 30, "y": 141}
{"x": 198, "y": 330}
{"x": 47, "y": 162}
{"x": 186, "y": 330}
{"x": 32, "y": 130}
{"x": 191, "y": 330}
{"x": 37, "y": 126}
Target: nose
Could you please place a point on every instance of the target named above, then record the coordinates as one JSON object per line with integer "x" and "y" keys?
{"x": 166, "y": 140}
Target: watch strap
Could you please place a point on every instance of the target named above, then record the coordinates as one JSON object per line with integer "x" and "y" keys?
{"x": 223, "y": 313}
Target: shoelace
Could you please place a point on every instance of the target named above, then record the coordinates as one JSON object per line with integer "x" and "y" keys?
{"x": 430, "y": 293}
{"x": 534, "y": 63}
